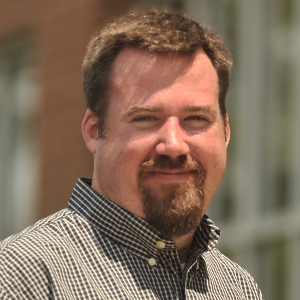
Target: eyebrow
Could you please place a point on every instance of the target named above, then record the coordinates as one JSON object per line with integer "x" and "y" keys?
{"x": 190, "y": 108}
{"x": 138, "y": 108}
{"x": 201, "y": 108}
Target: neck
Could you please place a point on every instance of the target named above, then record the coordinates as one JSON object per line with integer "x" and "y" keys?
{"x": 183, "y": 244}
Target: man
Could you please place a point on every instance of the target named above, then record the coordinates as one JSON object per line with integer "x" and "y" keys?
{"x": 155, "y": 86}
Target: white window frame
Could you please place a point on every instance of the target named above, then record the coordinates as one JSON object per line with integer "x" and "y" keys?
{"x": 19, "y": 156}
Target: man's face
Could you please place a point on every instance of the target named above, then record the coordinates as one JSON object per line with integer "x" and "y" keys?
{"x": 164, "y": 151}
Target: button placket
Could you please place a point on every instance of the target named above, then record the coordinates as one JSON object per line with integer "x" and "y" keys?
{"x": 152, "y": 261}
{"x": 160, "y": 245}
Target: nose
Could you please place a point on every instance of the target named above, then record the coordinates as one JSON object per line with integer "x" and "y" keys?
{"x": 172, "y": 139}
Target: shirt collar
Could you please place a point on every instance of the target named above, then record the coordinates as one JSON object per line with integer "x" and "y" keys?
{"x": 127, "y": 229}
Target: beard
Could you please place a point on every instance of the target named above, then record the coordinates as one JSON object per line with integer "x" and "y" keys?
{"x": 173, "y": 209}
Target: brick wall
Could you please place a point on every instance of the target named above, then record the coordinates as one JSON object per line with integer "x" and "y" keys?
{"x": 60, "y": 31}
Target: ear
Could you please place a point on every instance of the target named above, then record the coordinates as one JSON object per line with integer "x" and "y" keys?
{"x": 227, "y": 130}
{"x": 89, "y": 128}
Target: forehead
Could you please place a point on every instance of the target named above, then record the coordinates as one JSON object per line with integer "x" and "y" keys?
{"x": 137, "y": 74}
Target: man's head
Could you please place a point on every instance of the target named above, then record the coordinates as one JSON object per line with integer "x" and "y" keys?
{"x": 154, "y": 32}
{"x": 163, "y": 151}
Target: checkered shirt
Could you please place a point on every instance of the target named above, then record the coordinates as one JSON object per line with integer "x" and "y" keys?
{"x": 95, "y": 249}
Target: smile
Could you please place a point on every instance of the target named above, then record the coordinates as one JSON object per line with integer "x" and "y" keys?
{"x": 171, "y": 175}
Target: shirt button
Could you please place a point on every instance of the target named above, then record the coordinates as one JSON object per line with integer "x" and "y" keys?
{"x": 151, "y": 262}
{"x": 160, "y": 245}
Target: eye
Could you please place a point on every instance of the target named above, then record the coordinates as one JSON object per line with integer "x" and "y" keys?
{"x": 197, "y": 121}
{"x": 145, "y": 121}
{"x": 197, "y": 118}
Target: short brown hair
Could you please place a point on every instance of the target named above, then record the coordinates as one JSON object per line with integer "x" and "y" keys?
{"x": 157, "y": 32}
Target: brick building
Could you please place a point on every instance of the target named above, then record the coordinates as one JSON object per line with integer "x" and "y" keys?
{"x": 46, "y": 40}
{"x": 42, "y": 45}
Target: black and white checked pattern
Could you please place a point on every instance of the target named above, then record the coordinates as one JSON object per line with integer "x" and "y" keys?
{"x": 97, "y": 250}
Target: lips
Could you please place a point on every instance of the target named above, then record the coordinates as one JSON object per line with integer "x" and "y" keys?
{"x": 165, "y": 169}
{"x": 171, "y": 175}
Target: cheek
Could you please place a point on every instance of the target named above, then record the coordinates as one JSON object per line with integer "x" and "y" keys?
{"x": 215, "y": 164}
{"x": 124, "y": 158}
{"x": 215, "y": 160}
{"x": 212, "y": 154}
{"x": 211, "y": 146}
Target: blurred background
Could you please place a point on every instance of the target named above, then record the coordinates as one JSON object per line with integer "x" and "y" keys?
{"x": 42, "y": 44}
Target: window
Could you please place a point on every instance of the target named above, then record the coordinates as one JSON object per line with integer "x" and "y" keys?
{"x": 257, "y": 206}
{"x": 18, "y": 144}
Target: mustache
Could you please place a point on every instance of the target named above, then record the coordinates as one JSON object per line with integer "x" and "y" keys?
{"x": 161, "y": 162}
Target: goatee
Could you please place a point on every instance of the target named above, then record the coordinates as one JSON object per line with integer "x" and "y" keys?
{"x": 174, "y": 209}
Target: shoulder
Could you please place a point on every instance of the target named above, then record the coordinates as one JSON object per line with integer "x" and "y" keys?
{"x": 217, "y": 257}
{"x": 24, "y": 257}
{"x": 221, "y": 267}
{"x": 42, "y": 229}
